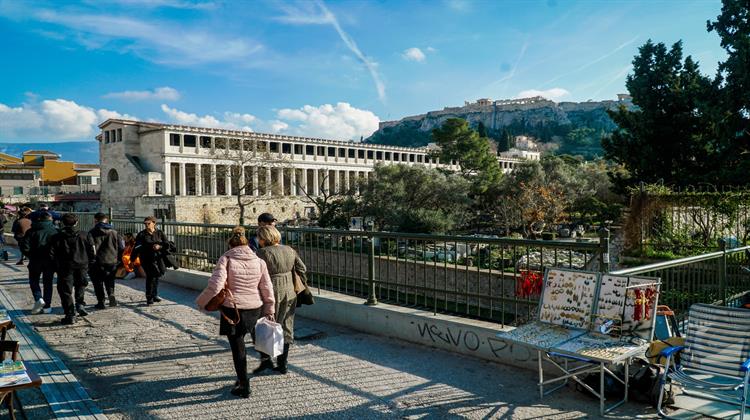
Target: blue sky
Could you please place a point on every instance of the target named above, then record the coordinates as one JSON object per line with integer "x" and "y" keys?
{"x": 326, "y": 69}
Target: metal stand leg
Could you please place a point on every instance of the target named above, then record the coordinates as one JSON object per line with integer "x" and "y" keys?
{"x": 601, "y": 388}
{"x": 541, "y": 374}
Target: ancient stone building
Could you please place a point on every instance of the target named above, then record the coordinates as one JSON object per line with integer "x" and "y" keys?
{"x": 184, "y": 173}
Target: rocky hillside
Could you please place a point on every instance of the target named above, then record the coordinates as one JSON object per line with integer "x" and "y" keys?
{"x": 575, "y": 127}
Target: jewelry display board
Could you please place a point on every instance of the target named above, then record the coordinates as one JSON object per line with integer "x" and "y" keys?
{"x": 541, "y": 335}
{"x": 610, "y": 304}
{"x": 640, "y": 307}
{"x": 568, "y": 298}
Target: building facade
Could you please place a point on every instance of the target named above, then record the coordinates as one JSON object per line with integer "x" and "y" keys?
{"x": 193, "y": 174}
{"x": 41, "y": 175}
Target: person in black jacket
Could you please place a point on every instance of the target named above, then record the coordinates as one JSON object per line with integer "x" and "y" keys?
{"x": 36, "y": 245}
{"x": 107, "y": 247}
{"x": 72, "y": 253}
{"x": 150, "y": 246}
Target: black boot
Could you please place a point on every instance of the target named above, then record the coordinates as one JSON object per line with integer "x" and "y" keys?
{"x": 81, "y": 310}
{"x": 281, "y": 361}
{"x": 265, "y": 363}
{"x": 241, "y": 389}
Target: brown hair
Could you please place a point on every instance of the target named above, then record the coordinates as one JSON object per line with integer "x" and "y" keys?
{"x": 150, "y": 219}
{"x": 238, "y": 237}
{"x": 270, "y": 234}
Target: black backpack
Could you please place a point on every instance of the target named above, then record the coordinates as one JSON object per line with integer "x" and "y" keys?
{"x": 72, "y": 249}
{"x": 644, "y": 383}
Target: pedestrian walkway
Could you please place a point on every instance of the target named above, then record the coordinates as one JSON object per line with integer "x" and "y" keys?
{"x": 167, "y": 361}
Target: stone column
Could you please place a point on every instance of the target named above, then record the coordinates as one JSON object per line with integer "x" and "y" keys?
{"x": 347, "y": 181}
{"x": 228, "y": 179}
{"x": 281, "y": 181}
{"x": 268, "y": 180}
{"x": 166, "y": 179}
{"x": 213, "y": 179}
{"x": 254, "y": 171}
{"x": 293, "y": 181}
{"x": 304, "y": 181}
{"x": 198, "y": 179}
{"x": 183, "y": 179}
{"x": 336, "y": 182}
{"x": 241, "y": 184}
{"x": 316, "y": 183}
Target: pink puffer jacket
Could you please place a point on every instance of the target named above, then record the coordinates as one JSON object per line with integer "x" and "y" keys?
{"x": 249, "y": 282}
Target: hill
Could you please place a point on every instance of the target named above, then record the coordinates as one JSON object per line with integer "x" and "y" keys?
{"x": 76, "y": 151}
{"x": 573, "y": 127}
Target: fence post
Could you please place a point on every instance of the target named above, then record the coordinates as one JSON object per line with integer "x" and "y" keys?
{"x": 723, "y": 272}
{"x": 109, "y": 213}
{"x": 604, "y": 250}
{"x": 371, "y": 299}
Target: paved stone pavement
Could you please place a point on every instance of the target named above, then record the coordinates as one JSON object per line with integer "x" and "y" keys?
{"x": 167, "y": 361}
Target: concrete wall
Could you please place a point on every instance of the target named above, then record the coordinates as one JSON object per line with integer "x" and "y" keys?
{"x": 464, "y": 336}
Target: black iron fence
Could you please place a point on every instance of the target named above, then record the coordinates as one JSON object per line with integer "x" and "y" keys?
{"x": 489, "y": 278}
{"x": 717, "y": 277}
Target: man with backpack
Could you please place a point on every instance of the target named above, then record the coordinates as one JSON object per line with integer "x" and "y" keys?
{"x": 36, "y": 245}
{"x": 72, "y": 253}
{"x": 20, "y": 226}
{"x": 107, "y": 247}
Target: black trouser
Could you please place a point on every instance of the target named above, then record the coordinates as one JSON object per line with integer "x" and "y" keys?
{"x": 152, "y": 286}
{"x": 46, "y": 270}
{"x": 103, "y": 276}
{"x": 239, "y": 357}
{"x": 67, "y": 281}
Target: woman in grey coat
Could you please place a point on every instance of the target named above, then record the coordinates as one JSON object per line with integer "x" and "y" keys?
{"x": 281, "y": 261}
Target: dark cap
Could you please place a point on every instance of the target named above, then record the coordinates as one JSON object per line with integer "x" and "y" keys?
{"x": 266, "y": 218}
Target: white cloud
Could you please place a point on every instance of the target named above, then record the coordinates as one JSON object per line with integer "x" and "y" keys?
{"x": 341, "y": 121}
{"x": 553, "y": 94}
{"x": 155, "y": 40}
{"x": 53, "y": 119}
{"x": 231, "y": 121}
{"x": 164, "y": 93}
{"x": 431, "y": 49}
{"x": 413, "y": 54}
{"x": 307, "y": 14}
{"x": 278, "y": 126}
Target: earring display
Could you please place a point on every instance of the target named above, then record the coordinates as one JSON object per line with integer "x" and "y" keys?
{"x": 568, "y": 298}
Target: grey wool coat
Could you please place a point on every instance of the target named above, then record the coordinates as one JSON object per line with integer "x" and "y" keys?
{"x": 281, "y": 260}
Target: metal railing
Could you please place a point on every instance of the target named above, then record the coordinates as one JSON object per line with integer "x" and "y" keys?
{"x": 488, "y": 278}
{"x": 716, "y": 277}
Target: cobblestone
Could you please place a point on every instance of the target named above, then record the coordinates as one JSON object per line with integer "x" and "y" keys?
{"x": 167, "y": 361}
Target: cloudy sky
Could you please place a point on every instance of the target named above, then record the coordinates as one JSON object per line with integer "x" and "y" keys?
{"x": 315, "y": 68}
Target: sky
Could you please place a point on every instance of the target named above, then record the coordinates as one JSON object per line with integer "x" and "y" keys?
{"x": 331, "y": 69}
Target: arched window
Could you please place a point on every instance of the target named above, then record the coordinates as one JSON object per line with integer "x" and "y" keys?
{"x": 112, "y": 176}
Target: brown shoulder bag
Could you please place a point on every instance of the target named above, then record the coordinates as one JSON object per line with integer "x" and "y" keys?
{"x": 216, "y": 302}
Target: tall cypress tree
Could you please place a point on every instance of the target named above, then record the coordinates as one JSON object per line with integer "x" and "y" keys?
{"x": 667, "y": 137}
{"x": 733, "y": 81}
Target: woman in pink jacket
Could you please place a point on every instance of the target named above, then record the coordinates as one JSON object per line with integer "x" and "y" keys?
{"x": 250, "y": 289}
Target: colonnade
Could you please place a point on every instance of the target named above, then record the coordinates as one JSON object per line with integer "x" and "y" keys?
{"x": 196, "y": 179}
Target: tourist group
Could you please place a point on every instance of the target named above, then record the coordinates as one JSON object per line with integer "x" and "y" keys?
{"x": 254, "y": 279}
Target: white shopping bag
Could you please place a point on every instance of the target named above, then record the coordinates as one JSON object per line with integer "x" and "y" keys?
{"x": 269, "y": 337}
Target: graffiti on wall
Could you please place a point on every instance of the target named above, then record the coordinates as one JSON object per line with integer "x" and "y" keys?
{"x": 466, "y": 339}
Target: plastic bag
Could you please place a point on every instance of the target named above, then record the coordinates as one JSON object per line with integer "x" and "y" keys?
{"x": 269, "y": 337}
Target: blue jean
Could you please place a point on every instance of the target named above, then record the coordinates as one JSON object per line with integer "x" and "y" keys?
{"x": 47, "y": 273}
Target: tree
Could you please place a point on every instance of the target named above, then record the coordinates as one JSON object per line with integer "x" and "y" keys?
{"x": 733, "y": 83}
{"x": 482, "y": 130}
{"x": 473, "y": 153}
{"x": 666, "y": 137}
{"x": 236, "y": 158}
{"x": 415, "y": 199}
{"x": 505, "y": 142}
{"x": 333, "y": 208}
